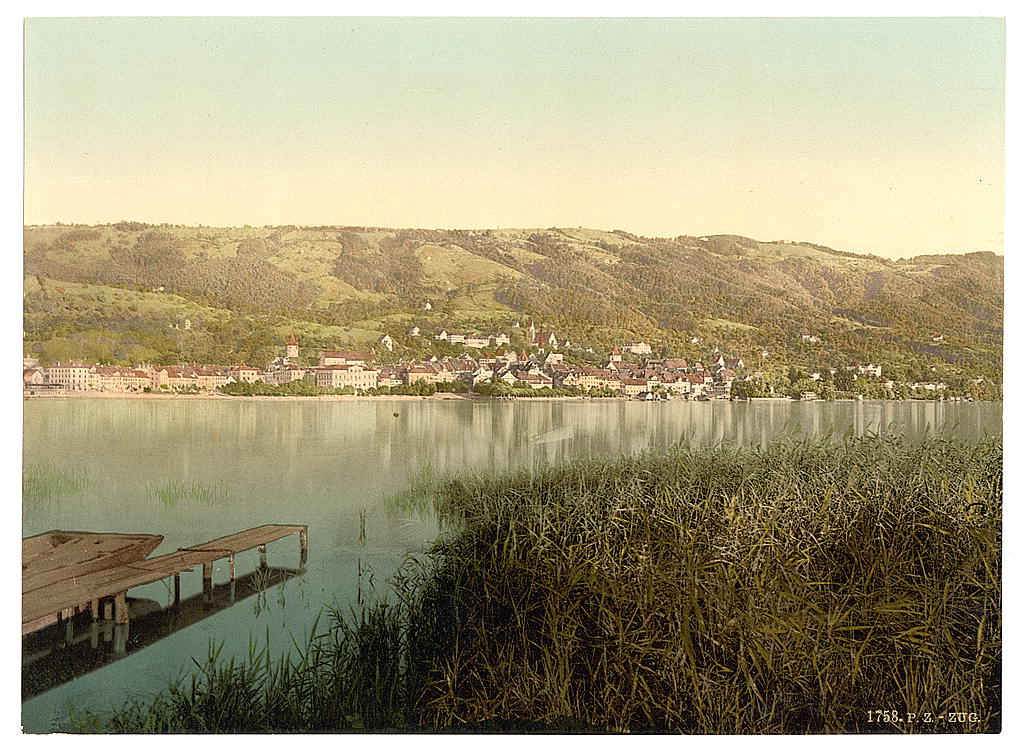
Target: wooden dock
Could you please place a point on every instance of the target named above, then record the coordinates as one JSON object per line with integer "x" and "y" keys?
{"x": 59, "y": 556}
{"x": 104, "y": 592}
{"x": 67, "y": 650}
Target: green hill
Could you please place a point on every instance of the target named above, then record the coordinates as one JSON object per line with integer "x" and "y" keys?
{"x": 123, "y": 292}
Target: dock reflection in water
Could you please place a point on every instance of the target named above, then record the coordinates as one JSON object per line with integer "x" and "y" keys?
{"x": 79, "y": 645}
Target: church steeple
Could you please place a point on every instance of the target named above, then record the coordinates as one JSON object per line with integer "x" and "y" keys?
{"x": 291, "y": 347}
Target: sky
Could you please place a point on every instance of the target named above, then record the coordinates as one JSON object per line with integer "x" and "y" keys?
{"x": 871, "y": 135}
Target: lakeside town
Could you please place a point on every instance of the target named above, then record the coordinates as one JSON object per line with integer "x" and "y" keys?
{"x": 629, "y": 370}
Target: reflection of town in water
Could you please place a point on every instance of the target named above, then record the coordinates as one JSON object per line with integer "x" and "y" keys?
{"x": 332, "y": 463}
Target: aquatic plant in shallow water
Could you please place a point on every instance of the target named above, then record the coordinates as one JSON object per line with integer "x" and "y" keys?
{"x": 43, "y": 482}
{"x": 785, "y": 589}
{"x": 175, "y": 492}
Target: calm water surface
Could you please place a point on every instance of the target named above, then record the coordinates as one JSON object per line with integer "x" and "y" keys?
{"x": 331, "y": 465}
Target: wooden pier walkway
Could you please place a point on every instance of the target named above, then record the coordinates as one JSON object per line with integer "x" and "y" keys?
{"x": 105, "y": 591}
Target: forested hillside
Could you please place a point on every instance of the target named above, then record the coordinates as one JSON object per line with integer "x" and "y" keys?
{"x": 123, "y": 293}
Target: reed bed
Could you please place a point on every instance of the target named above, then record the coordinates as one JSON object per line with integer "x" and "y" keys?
{"x": 788, "y": 589}
{"x": 175, "y": 492}
{"x": 46, "y": 482}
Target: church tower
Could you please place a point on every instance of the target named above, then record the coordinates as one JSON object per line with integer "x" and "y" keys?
{"x": 291, "y": 349}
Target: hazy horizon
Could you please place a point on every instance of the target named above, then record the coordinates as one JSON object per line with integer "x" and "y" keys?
{"x": 878, "y": 136}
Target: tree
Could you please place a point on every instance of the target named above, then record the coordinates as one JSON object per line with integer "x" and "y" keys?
{"x": 826, "y": 390}
{"x": 751, "y": 388}
{"x": 802, "y": 386}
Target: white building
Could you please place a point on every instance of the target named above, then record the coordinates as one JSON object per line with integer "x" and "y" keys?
{"x": 244, "y": 374}
{"x": 339, "y": 376}
{"x": 285, "y": 374}
{"x": 345, "y": 358}
{"x": 120, "y": 379}
{"x": 74, "y": 375}
{"x": 869, "y": 369}
{"x": 637, "y": 347}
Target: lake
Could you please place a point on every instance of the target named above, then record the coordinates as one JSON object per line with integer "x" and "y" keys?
{"x": 193, "y": 470}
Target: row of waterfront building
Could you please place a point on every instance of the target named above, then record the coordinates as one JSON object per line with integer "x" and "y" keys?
{"x": 711, "y": 379}
{"x": 358, "y": 370}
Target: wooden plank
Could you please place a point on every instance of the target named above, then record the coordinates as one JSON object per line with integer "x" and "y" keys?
{"x": 58, "y": 556}
{"x": 97, "y": 585}
{"x": 180, "y": 561}
{"x": 248, "y": 539}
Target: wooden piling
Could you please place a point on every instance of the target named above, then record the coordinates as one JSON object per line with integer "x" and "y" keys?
{"x": 177, "y": 588}
{"x": 263, "y": 556}
{"x": 121, "y": 609}
{"x": 208, "y": 580}
{"x": 231, "y": 568}
{"x": 121, "y": 639}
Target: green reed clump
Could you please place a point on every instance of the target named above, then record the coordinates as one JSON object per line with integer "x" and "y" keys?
{"x": 349, "y": 677}
{"x": 176, "y": 492}
{"x": 787, "y": 589}
{"x": 42, "y": 482}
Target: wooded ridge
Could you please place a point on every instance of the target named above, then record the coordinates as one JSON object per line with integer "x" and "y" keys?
{"x": 122, "y": 293}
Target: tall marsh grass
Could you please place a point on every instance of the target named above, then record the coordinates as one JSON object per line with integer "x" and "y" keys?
{"x": 789, "y": 589}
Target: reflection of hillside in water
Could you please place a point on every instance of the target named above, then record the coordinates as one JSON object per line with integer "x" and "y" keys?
{"x": 363, "y": 445}
{"x": 72, "y": 648}
{"x": 332, "y": 463}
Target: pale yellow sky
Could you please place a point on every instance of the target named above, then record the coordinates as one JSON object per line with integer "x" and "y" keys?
{"x": 872, "y": 135}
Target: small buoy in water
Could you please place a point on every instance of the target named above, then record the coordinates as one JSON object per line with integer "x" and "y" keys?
{"x": 396, "y": 414}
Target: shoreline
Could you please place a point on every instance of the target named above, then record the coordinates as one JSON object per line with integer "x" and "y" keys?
{"x": 440, "y": 396}
{"x": 225, "y": 397}
{"x": 444, "y": 397}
